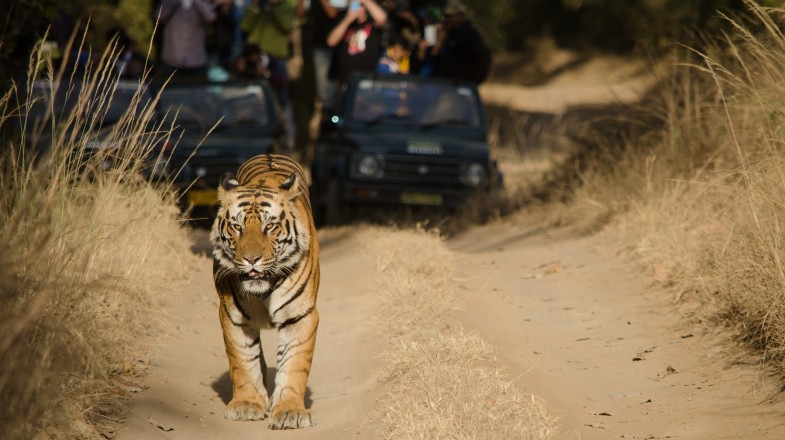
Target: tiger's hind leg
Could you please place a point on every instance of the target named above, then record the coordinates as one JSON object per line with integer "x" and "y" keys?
{"x": 247, "y": 367}
{"x": 295, "y": 353}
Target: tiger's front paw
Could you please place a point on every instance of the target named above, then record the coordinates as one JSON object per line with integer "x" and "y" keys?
{"x": 245, "y": 410}
{"x": 292, "y": 419}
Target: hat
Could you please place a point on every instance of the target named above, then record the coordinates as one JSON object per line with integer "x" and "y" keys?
{"x": 454, "y": 7}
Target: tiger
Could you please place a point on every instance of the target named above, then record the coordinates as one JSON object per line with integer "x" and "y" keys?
{"x": 266, "y": 273}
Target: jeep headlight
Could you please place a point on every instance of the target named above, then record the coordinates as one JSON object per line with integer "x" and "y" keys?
{"x": 157, "y": 168}
{"x": 369, "y": 166}
{"x": 474, "y": 175}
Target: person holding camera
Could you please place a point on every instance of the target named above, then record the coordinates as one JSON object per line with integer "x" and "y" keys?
{"x": 357, "y": 39}
{"x": 268, "y": 25}
{"x": 251, "y": 64}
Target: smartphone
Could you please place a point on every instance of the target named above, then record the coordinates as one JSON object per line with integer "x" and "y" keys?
{"x": 354, "y": 5}
{"x": 340, "y": 4}
{"x": 429, "y": 34}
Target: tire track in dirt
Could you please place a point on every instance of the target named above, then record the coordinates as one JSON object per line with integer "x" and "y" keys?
{"x": 611, "y": 356}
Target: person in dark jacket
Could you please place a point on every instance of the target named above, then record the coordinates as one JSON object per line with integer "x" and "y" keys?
{"x": 463, "y": 53}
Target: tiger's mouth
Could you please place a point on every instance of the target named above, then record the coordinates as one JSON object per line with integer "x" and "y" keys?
{"x": 253, "y": 275}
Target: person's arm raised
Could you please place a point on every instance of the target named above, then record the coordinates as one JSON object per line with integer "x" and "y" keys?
{"x": 329, "y": 9}
{"x": 376, "y": 12}
{"x": 206, "y": 10}
{"x": 340, "y": 29}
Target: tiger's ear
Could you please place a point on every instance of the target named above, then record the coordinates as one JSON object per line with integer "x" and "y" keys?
{"x": 228, "y": 183}
{"x": 288, "y": 184}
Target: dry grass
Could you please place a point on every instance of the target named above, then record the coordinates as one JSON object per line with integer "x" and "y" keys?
{"x": 85, "y": 255}
{"x": 700, "y": 194}
{"x": 439, "y": 382}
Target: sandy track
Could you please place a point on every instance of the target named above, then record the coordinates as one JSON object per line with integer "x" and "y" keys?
{"x": 569, "y": 320}
{"x": 189, "y": 384}
{"x": 612, "y": 357}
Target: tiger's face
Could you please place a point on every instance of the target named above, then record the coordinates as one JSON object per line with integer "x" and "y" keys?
{"x": 256, "y": 235}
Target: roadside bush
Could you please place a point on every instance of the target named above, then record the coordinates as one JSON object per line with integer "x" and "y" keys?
{"x": 429, "y": 366}
{"x": 84, "y": 252}
{"x": 700, "y": 194}
{"x": 608, "y": 25}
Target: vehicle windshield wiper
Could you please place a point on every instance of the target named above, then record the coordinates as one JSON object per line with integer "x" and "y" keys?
{"x": 449, "y": 121}
{"x": 386, "y": 117}
{"x": 230, "y": 125}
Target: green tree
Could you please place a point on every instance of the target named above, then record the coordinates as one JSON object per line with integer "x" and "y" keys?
{"x": 136, "y": 19}
{"x": 599, "y": 24}
{"x": 27, "y": 21}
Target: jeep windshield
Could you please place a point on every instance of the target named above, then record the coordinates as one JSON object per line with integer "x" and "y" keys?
{"x": 220, "y": 105}
{"x": 407, "y": 101}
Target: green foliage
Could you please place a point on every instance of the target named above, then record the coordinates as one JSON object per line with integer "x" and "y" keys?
{"x": 509, "y": 25}
{"x": 599, "y": 24}
{"x": 135, "y": 18}
{"x": 493, "y": 19}
{"x": 25, "y": 22}
{"x": 25, "y": 17}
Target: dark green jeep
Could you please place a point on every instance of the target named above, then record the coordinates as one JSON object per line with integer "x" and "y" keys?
{"x": 401, "y": 140}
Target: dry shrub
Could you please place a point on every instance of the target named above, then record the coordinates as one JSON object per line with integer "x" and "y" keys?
{"x": 439, "y": 382}
{"x": 445, "y": 386}
{"x": 416, "y": 278}
{"x": 645, "y": 150}
{"x": 703, "y": 192}
{"x": 85, "y": 251}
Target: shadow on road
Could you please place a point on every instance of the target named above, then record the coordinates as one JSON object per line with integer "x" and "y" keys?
{"x": 223, "y": 387}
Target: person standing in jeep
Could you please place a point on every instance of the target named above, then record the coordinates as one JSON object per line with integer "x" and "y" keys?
{"x": 463, "y": 53}
{"x": 357, "y": 39}
{"x": 184, "y": 36}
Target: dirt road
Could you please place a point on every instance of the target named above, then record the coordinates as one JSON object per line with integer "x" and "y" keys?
{"x": 611, "y": 356}
{"x": 571, "y": 321}
{"x": 189, "y": 384}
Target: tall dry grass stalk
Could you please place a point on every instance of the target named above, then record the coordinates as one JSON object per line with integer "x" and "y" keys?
{"x": 439, "y": 382}
{"x": 86, "y": 251}
{"x": 703, "y": 194}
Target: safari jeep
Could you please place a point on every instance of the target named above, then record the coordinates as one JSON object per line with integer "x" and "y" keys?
{"x": 401, "y": 140}
{"x": 217, "y": 127}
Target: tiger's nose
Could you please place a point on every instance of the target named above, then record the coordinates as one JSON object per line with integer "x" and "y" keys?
{"x": 251, "y": 259}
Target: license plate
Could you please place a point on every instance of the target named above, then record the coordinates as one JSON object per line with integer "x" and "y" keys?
{"x": 203, "y": 197}
{"x": 421, "y": 199}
